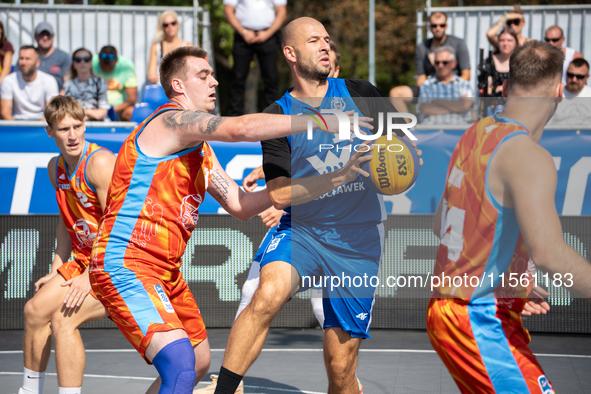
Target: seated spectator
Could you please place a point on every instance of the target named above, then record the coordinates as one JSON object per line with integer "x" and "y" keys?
{"x": 6, "y": 51}
{"x": 26, "y": 92}
{"x": 555, "y": 36}
{"x": 334, "y": 57}
{"x": 499, "y": 62}
{"x": 575, "y": 107}
{"x": 84, "y": 86}
{"x": 425, "y": 55}
{"x": 165, "y": 40}
{"x": 444, "y": 98}
{"x": 119, "y": 72}
{"x": 514, "y": 20}
{"x": 54, "y": 61}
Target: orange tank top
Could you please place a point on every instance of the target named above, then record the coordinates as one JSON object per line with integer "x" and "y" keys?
{"x": 152, "y": 206}
{"x": 78, "y": 203}
{"x": 482, "y": 258}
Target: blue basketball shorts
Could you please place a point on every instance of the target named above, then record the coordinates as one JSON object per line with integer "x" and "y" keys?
{"x": 344, "y": 262}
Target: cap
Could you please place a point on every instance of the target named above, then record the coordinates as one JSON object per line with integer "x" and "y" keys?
{"x": 44, "y": 26}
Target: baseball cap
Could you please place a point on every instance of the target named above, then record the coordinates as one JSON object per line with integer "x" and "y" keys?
{"x": 44, "y": 26}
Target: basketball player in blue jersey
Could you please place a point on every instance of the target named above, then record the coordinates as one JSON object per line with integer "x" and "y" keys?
{"x": 326, "y": 231}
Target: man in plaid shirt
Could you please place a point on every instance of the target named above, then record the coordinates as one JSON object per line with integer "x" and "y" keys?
{"x": 445, "y": 98}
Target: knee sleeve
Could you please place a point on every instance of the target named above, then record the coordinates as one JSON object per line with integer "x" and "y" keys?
{"x": 176, "y": 365}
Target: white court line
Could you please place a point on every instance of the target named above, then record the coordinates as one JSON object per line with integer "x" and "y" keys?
{"x": 303, "y": 350}
{"x": 152, "y": 378}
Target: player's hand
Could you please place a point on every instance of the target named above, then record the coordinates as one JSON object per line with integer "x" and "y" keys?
{"x": 271, "y": 216}
{"x": 249, "y": 183}
{"x": 79, "y": 288}
{"x": 44, "y": 280}
{"x": 419, "y": 152}
{"x": 353, "y": 166}
{"x": 536, "y": 304}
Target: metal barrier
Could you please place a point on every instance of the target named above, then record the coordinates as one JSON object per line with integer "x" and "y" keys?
{"x": 471, "y": 24}
{"x": 129, "y": 29}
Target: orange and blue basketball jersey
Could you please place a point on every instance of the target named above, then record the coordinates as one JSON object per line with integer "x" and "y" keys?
{"x": 79, "y": 208}
{"x": 152, "y": 208}
{"x": 473, "y": 321}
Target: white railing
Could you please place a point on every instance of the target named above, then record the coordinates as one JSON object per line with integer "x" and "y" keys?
{"x": 471, "y": 24}
{"x": 129, "y": 29}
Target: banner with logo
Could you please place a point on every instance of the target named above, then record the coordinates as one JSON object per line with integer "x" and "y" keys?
{"x": 25, "y": 152}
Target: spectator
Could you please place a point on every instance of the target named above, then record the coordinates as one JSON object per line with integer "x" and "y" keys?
{"x": 575, "y": 107}
{"x": 84, "y": 86}
{"x": 334, "y": 57}
{"x": 6, "y": 51}
{"x": 555, "y": 36}
{"x": 54, "y": 61}
{"x": 165, "y": 40}
{"x": 444, "y": 98}
{"x": 256, "y": 24}
{"x": 26, "y": 92}
{"x": 499, "y": 62}
{"x": 424, "y": 60}
{"x": 513, "y": 19}
{"x": 119, "y": 72}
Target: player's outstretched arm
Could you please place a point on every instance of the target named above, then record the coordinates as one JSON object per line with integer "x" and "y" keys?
{"x": 190, "y": 127}
{"x": 99, "y": 171}
{"x": 234, "y": 200}
{"x": 285, "y": 192}
{"x": 529, "y": 176}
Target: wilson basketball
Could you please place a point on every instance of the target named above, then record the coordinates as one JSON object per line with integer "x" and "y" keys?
{"x": 394, "y": 166}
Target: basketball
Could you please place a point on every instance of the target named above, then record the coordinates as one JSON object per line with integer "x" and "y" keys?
{"x": 393, "y": 168}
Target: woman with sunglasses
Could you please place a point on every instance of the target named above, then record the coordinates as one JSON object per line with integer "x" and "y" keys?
{"x": 87, "y": 88}
{"x": 165, "y": 40}
{"x": 498, "y": 63}
{"x": 514, "y": 20}
{"x": 6, "y": 52}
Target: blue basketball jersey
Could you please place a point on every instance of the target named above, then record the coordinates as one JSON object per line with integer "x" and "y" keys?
{"x": 349, "y": 204}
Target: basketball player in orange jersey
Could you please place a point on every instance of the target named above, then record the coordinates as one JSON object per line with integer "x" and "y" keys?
{"x": 162, "y": 172}
{"x": 497, "y": 212}
{"x": 81, "y": 176}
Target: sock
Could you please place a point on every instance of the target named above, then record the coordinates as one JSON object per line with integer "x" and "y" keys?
{"x": 33, "y": 382}
{"x": 70, "y": 390}
{"x": 228, "y": 382}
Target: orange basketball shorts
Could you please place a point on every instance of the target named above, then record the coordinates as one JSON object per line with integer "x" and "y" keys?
{"x": 484, "y": 348}
{"x": 142, "y": 304}
{"x": 72, "y": 269}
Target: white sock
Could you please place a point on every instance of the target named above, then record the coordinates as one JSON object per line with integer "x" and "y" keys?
{"x": 32, "y": 382}
{"x": 70, "y": 390}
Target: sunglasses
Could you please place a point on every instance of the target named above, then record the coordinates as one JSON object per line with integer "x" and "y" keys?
{"x": 108, "y": 57}
{"x": 578, "y": 76}
{"x": 552, "y": 39}
{"x": 165, "y": 25}
{"x": 85, "y": 59}
{"x": 514, "y": 22}
{"x": 434, "y": 25}
{"x": 444, "y": 62}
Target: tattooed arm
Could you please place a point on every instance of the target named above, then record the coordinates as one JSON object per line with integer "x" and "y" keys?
{"x": 192, "y": 126}
{"x": 232, "y": 198}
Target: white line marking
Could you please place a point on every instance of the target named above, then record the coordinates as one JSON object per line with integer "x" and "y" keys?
{"x": 152, "y": 378}
{"x": 310, "y": 350}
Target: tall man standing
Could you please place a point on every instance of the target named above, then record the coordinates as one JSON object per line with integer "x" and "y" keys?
{"x": 256, "y": 24}
{"x": 327, "y": 230}
{"x": 498, "y": 211}
{"x": 54, "y": 61}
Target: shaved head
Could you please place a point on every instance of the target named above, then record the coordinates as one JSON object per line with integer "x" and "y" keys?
{"x": 296, "y": 30}
{"x": 555, "y": 29}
